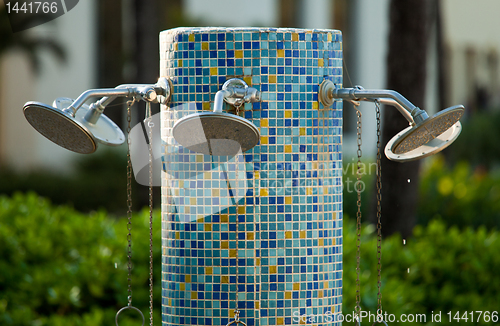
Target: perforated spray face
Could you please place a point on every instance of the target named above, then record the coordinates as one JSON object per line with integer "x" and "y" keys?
{"x": 59, "y": 127}
{"x": 428, "y": 130}
{"x": 216, "y": 133}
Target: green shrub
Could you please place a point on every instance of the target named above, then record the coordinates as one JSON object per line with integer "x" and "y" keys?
{"x": 460, "y": 196}
{"x": 449, "y": 270}
{"x": 62, "y": 267}
{"x": 478, "y": 143}
{"x": 57, "y": 267}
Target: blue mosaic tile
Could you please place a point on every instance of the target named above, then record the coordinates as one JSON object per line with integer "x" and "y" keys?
{"x": 261, "y": 231}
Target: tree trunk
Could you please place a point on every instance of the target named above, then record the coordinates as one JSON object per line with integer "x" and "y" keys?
{"x": 146, "y": 59}
{"x": 110, "y": 54}
{"x": 406, "y": 73}
{"x": 147, "y": 43}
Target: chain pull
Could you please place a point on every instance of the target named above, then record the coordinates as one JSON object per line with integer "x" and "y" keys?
{"x": 235, "y": 193}
{"x": 129, "y": 205}
{"x": 149, "y": 118}
{"x": 237, "y": 106}
{"x": 237, "y": 319}
{"x": 358, "y": 213}
{"x": 129, "y": 222}
{"x": 379, "y": 213}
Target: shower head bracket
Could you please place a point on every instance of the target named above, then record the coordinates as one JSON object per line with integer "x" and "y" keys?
{"x": 237, "y": 92}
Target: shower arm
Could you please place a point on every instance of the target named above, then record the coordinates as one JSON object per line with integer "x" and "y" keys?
{"x": 158, "y": 93}
{"x": 328, "y": 92}
{"x": 115, "y": 92}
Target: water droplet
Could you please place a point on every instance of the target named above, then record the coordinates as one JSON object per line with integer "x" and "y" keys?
{"x": 408, "y": 180}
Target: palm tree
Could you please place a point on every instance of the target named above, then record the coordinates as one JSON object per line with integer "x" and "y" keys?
{"x": 406, "y": 73}
{"x": 25, "y": 42}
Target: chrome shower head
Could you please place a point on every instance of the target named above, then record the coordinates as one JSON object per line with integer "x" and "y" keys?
{"x": 424, "y": 137}
{"x": 428, "y": 129}
{"x": 78, "y": 127}
{"x": 216, "y": 133}
{"x": 427, "y": 137}
{"x": 72, "y": 132}
{"x": 60, "y": 127}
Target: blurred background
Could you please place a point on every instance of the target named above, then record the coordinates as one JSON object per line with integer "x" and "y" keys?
{"x": 437, "y": 53}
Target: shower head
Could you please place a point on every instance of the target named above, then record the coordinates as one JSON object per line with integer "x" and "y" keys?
{"x": 72, "y": 132}
{"x": 60, "y": 127}
{"x": 427, "y": 137}
{"x": 427, "y": 130}
{"x": 78, "y": 127}
{"x": 216, "y": 133}
{"x": 424, "y": 137}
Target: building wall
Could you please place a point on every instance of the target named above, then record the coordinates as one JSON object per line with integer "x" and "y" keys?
{"x": 21, "y": 146}
{"x": 470, "y": 34}
{"x": 473, "y": 43}
{"x": 233, "y": 12}
{"x": 366, "y": 67}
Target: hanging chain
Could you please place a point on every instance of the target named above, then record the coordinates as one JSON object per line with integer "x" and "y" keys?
{"x": 129, "y": 222}
{"x": 149, "y": 117}
{"x": 129, "y": 206}
{"x": 237, "y": 320}
{"x": 379, "y": 214}
{"x": 358, "y": 214}
{"x": 237, "y": 311}
{"x": 237, "y": 106}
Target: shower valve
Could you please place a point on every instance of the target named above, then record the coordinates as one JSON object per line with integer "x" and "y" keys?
{"x": 237, "y": 92}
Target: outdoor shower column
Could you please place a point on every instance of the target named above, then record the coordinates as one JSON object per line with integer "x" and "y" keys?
{"x": 288, "y": 200}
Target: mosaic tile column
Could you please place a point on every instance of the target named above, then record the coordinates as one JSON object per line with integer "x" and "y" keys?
{"x": 261, "y": 230}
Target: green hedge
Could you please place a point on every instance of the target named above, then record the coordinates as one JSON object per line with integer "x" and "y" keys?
{"x": 57, "y": 267}
{"x": 462, "y": 195}
{"x": 449, "y": 270}
{"x": 62, "y": 267}
{"x": 478, "y": 142}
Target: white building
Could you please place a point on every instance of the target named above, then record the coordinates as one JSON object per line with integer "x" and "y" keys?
{"x": 21, "y": 146}
{"x": 470, "y": 34}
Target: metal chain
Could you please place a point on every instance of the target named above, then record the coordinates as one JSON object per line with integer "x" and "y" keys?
{"x": 237, "y": 311}
{"x": 358, "y": 214}
{"x": 129, "y": 206}
{"x": 235, "y": 194}
{"x": 129, "y": 220}
{"x": 379, "y": 213}
{"x": 150, "y": 125}
{"x": 237, "y": 106}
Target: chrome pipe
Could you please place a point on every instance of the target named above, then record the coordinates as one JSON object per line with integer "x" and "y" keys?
{"x": 93, "y": 93}
{"x": 219, "y": 99}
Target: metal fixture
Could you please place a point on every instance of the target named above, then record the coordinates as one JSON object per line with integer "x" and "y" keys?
{"x": 425, "y": 136}
{"x": 79, "y": 127}
{"x": 219, "y": 133}
{"x": 129, "y": 226}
